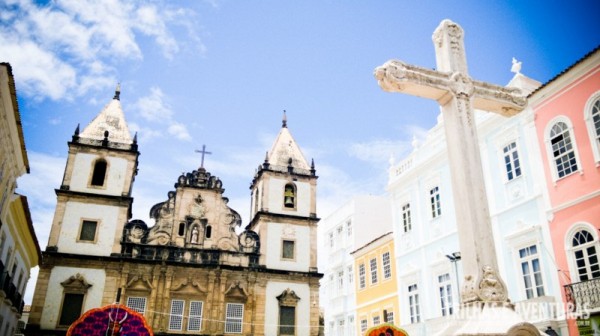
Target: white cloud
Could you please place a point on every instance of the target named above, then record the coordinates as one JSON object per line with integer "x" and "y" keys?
{"x": 152, "y": 107}
{"x": 179, "y": 131}
{"x": 70, "y": 47}
{"x": 378, "y": 151}
{"x": 39, "y": 72}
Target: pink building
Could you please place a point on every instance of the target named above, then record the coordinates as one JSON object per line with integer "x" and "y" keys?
{"x": 567, "y": 119}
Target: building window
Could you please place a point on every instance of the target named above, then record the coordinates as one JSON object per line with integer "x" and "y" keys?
{"x": 531, "y": 272}
{"x": 349, "y": 228}
{"x": 364, "y": 324}
{"x": 137, "y": 303}
{"x": 289, "y": 197}
{"x": 234, "y": 316}
{"x": 563, "y": 151}
{"x": 208, "y": 232}
{"x": 413, "y": 304}
{"x": 88, "y": 230}
{"x": 71, "y": 308}
{"x": 340, "y": 284}
{"x": 434, "y": 199}
{"x": 341, "y": 326}
{"x": 406, "y": 220}
{"x": 362, "y": 277}
{"x": 287, "y": 249}
{"x": 287, "y": 320}
{"x": 350, "y": 275}
{"x": 373, "y": 264}
{"x": 351, "y": 330}
{"x": 195, "y": 321}
{"x": 445, "y": 289}
{"x": 592, "y": 118}
{"x": 376, "y": 320}
{"x": 387, "y": 267}
{"x": 288, "y": 300}
{"x": 586, "y": 255}
{"x": 331, "y": 240}
{"x": 99, "y": 173}
{"x": 511, "y": 161}
{"x": 389, "y": 315}
{"x": 176, "y": 317}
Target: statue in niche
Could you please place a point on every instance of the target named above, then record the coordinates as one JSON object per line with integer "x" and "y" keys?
{"x": 194, "y": 239}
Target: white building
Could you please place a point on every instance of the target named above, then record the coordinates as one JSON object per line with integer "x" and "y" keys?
{"x": 353, "y": 225}
{"x": 427, "y": 249}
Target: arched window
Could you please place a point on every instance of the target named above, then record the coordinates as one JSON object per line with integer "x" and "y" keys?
{"x": 181, "y": 229}
{"x": 99, "y": 173}
{"x": 586, "y": 255}
{"x": 289, "y": 196}
{"x": 592, "y": 119}
{"x": 563, "y": 152}
{"x": 208, "y": 231}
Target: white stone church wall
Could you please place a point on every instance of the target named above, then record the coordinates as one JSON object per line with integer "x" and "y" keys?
{"x": 274, "y": 289}
{"x": 54, "y": 296}
{"x": 115, "y": 180}
{"x": 75, "y": 212}
{"x": 300, "y": 235}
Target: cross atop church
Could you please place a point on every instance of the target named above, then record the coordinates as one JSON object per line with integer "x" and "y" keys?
{"x": 203, "y": 152}
{"x": 458, "y": 94}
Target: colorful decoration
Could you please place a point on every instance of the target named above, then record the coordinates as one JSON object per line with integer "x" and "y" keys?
{"x": 111, "y": 320}
{"x": 386, "y": 330}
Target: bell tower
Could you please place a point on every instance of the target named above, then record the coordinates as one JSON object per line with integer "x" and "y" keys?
{"x": 94, "y": 199}
{"x": 283, "y": 207}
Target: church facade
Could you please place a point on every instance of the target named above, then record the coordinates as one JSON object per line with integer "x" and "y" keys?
{"x": 193, "y": 271}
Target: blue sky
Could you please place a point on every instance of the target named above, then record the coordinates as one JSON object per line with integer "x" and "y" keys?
{"x": 220, "y": 73}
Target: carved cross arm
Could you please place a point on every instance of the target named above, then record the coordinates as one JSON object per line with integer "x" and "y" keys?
{"x": 397, "y": 76}
{"x": 505, "y": 101}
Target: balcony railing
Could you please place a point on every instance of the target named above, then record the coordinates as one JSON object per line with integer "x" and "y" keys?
{"x": 10, "y": 291}
{"x": 584, "y": 295}
{"x": 178, "y": 254}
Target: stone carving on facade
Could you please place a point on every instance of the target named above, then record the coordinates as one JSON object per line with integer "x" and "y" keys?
{"x": 162, "y": 213}
{"x": 249, "y": 241}
{"x": 288, "y": 231}
{"x": 236, "y": 291}
{"x": 76, "y": 284}
{"x": 288, "y": 298}
{"x": 491, "y": 288}
{"x": 468, "y": 293}
{"x": 461, "y": 85}
{"x": 188, "y": 285}
{"x": 194, "y": 225}
{"x": 139, "y": 282}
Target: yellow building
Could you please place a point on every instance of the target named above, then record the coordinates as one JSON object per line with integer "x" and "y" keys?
{"x": 376, "y": 285}
{"x": 19, "y": 249}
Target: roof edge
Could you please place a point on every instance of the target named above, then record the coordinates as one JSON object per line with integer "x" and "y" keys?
{"x": 13, "y": 93}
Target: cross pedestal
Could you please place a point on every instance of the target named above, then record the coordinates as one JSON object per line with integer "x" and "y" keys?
{"x": 485, "y": 309}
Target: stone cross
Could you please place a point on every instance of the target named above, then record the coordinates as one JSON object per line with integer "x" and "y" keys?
{"x": 203, "y": 152}
{"x": 458, "y": 94}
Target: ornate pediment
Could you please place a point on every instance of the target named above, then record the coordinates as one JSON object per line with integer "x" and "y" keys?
{"x": 288, "y": 298}
{"x": 139, "y": 282}
{"x": 76, "y": 284}
{"x": 236, "y": 291}
{"x": 188, "y": 286}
